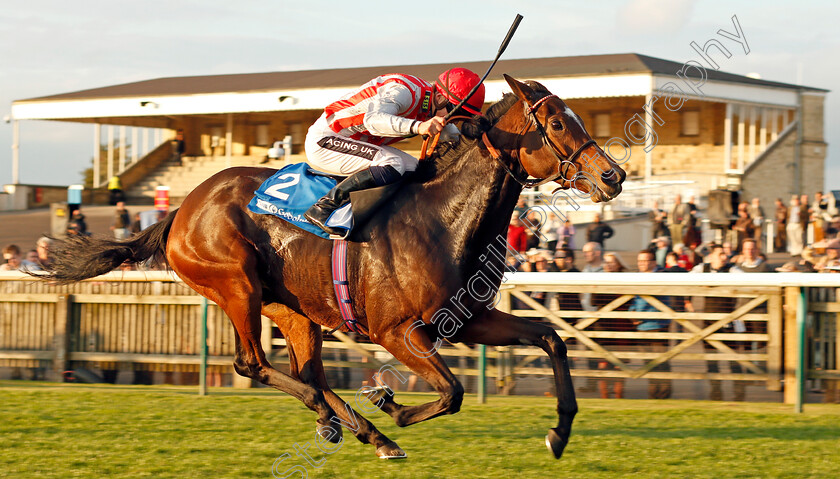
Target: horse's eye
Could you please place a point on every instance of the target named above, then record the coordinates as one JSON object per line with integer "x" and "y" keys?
{"x": 557, "y": 125}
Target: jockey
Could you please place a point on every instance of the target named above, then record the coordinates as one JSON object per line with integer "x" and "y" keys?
{"x": 353, "y": 135}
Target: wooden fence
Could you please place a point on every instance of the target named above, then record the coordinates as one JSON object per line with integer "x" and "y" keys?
{"x": 823, "y": 338}
{"x": 746, "y": 323}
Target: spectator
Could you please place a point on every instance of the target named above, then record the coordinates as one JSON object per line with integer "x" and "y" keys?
{"x": 663, "y": 247}
{"x": 613, "y": 263}
{"x": 533, "y": 225}
{"x": 540, "y": 261}
{"x": 831, "y": 258}
{"x": 77, "y": 224}
{"x": 598, "y": 232}
{"x": 717, "y": 262}
{"x": 780, "y": 239}
{"x": 658, "y": 219}
{"x": 657, "y": 388}
{"x": 115, "y": 191}
{"x": 744, "y": 227}
{"x": 796, "y": 224}
{"x": 30, "y": 261}
{"x": 691, "y": 234}
{"x": 756, "y": 213}
{"x": 749, "y": 261}
{"x": 728, "y": 251}
{"x": 806, "y": 213}
{"x": 564, "y": 260}
{"x": 566, "y": 235}
{"x": 179, "y": 147}
{"x": 122, "y": 221}
{"x": 822, "y": 211}
{"x": 796, "y": 266}
{"x": 11, "y": 255}
{"x": 516, "y": 237}
{"x": 672, "y": 263}
{"x": 136, "y": 225}
{"x": 677, "y": 219}
{"x": 594, "y": 263}
{"x": 42, "y": 246}
{"x": 683, "y": 258}
{"x": 550, "y": 231}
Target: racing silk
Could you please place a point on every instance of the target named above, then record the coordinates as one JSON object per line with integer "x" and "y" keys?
{"x": 383, "y": 110}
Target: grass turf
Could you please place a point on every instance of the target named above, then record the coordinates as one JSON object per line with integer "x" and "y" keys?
{"x": 51, "y": 430}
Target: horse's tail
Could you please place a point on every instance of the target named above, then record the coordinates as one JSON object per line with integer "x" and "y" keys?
{"x": 80, "y": 257}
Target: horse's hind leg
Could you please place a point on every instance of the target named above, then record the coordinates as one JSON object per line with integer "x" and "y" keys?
{"x": 240, "y": 298}
{"x": 498, "y": 328}
{"x": 304, "y": 340}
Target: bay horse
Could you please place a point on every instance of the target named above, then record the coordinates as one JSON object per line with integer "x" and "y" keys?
{"x": 417, "y": 257}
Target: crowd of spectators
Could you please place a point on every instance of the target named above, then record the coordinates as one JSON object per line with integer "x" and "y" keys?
{"x": 39, "y": 257}
{"x": 677, "y": 247}
{"x": 677, "y": 243}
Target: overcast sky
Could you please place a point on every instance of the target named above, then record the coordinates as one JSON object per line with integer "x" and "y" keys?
{"x": 51, "y": 47}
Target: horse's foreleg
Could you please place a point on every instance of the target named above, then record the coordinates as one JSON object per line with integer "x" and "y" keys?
{"x": 498, "y": 328}
{"x": 304, "y": 340}
{"x": 412, "y": 347}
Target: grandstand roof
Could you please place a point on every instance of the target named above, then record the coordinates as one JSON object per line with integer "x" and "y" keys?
{"x": 586, "y": 65}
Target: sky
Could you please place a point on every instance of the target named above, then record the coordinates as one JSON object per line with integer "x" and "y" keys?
{"x": 50, "y": 47}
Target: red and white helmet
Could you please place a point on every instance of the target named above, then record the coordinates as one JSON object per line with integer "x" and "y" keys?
{"x": 456, "y": 83}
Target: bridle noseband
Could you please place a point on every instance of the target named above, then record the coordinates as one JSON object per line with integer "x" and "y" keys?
{"x": 561, "y": 159}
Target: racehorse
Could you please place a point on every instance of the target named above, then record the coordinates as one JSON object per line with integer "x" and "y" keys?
{"x": 416, "y": 259}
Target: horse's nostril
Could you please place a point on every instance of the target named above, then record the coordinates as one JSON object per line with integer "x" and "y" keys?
{"x": 610, "y": 177}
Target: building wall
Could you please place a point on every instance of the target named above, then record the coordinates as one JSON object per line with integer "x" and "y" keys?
{"x": 673, "y": 151}
{"x": 774, "y": 175}
{"x": 813, "y": 149}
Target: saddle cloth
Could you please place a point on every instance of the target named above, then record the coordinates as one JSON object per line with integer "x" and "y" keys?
{"x": 288, "y": 193}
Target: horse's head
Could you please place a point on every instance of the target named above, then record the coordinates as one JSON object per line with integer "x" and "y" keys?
{"x": 555, "y": 146}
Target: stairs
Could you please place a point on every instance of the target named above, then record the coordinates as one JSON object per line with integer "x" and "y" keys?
{"x": 183, "y": 178}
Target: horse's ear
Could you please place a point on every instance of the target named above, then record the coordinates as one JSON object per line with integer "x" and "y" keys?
{"x": 523, "y": 91}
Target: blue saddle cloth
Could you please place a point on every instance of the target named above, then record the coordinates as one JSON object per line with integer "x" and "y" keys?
{"x": 288, "y": 193}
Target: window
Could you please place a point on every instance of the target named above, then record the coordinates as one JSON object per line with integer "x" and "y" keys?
{"x": 690, "y": 123}
{"x": 298, "y": 136}
{"x": 602, "y": 125}
{"x": 261, "y": 135}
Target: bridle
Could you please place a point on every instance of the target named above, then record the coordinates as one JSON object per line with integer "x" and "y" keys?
{"x": 564, "y": 162}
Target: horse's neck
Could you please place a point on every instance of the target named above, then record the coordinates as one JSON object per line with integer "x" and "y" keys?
{"x": 475, "y": 198}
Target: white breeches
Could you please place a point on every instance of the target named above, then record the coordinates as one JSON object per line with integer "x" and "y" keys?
{"x": 331, "y": 153}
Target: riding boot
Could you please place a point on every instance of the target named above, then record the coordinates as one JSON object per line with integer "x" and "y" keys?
{"x": 320, "y": 212}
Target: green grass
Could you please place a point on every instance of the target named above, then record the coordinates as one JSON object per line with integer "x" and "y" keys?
{"x": 50, "y": 430}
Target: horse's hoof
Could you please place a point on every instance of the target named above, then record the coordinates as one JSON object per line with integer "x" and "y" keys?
{"x": 390, "y": 451}
{"x": 555, "y": 443}
{"x": 330, "y": 433}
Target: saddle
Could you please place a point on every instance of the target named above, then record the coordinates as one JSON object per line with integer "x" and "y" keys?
{"x": 289, "y": 192}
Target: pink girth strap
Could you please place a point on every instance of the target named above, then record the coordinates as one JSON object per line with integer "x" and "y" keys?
{"x": 342, "y": 286}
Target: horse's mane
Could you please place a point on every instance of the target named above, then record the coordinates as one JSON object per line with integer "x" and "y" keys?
{"x": 447, "y": 153}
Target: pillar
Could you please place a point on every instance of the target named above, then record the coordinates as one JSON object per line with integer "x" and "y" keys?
{"x": 15, "y": 152}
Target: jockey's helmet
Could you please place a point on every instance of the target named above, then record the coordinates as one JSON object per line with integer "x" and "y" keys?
{"x": 456, "y": 83}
